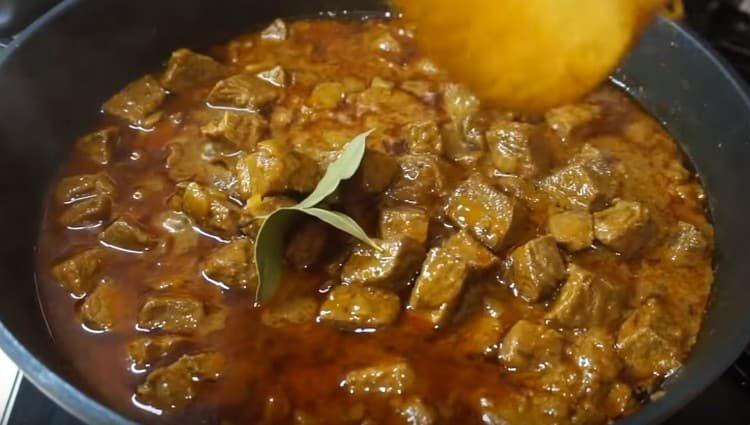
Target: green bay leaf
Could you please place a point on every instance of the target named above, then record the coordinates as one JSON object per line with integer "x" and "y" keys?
{"x": 343, "y": 168}
{"x": 269, "y": 243}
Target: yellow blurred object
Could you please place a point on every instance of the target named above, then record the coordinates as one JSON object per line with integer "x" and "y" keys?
{"x": 529, "y": 54}
{"x": 674, "y": 9}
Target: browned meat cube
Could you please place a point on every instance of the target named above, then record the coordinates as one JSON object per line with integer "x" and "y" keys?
{"x": 99, "y": 145}
{"x": 241, "y": 129}
{"x": 187, "y": 69}
{"x": 243, "y": 91}
{"x": 179, "y": 313}
{"x": 444, "y": 272}
{"x": 75, "y": 272}
{"x": 276, "y": 31}
{"x": 423, "y": 137}
{"x": 536, "y": 268}
{"x": 83, "y": 186}
{"x": 594, "y": 353}
{"x": 421, "y": 181}
{"x": 384, "y": 379}
{"x": 439, "y": 285}
{"x": 233, "y": 265}
{"x": 572, "y": 229}
{"x": 650, "y": 341}
{"x": 375, "y": 174}
{"x": 327, "y": 95}
{"x": 210, "y": 208}
{"x": 89, "y": 212}
{"x": 146, "y": 350}
{"x": 517, "y": 148}
{"x": 276, "y": 76}
{"x": 587, "y": 300}
{"x": 290, "y": 312}
{"x": 530, "y": 347}
{"x": 459, "y": 103}
{"x": 276, "y": 169}
{"x": 307, "y": 243}
{"x": 625, "y": 227}
{"x": 464, "y": 143}
{"x": 392, "y": 267}
{"x": 176, "y": 385}
{"x": 184, "y": 238}
{"x": 588, "y": 181}
{"x": 478, "y": 336}
{"x": 353, "y": 307}
{"x": 99, "y": 310}
{"x": 409, "y": 222}
{"x": 565, "y": 120}
{"x": 414, "y": 411}
{"x": 686, "y": 244}
{"x": 137, "y": 100}
{"x": 492, "y": 217}
{"x": 472, "y": 252}
{"x": 128, "y": 237}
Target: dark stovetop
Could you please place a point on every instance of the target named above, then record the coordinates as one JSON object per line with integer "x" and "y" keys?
{"x": 728, "y": 30}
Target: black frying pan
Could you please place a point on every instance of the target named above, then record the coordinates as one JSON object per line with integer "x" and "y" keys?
{"x": 56, "y": 74}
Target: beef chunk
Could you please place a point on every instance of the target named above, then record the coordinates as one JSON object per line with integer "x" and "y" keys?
{"x": 126, "y": 236}
{"x": 439, "y": 285}
{"x": 650, "y": 342}
{"x": 464, "y": 143}
{"x": 444, "y": 274}
{"x": 276, "y": 76}
{"x": 414, "y": 411}
{"x": 492, "y": 217}
{"x": 210, "y": 208}
{"x": 243, "y": 91}
{"x": 146, "y": 350}
{"x": 87, "y": 213}
{"x": 536, "y": 268}
{"x": 459, "y": 103}
{"x": 588, "y": 181}
{"x": 517, "y": 148}
{"x": 565, "y": 120}
{"x": 276, "y": 31}
{"x": 179, "y": 314}
{"x": 327, "y": 95}
{"x": 290, "y": 312}
{"x": 392, "y": 267}
{"x": 276, "y": 169}
{"x": 530, "y": 347}
{"x": 137, "y": 100}
{"x": 471, "y": 251}
{"x": 373, "y": 177}
{"x": 233, "y": 265}
{"x": 307, "y": 243}
{"x": 99, "y": 145}
{"x": 525, "y": 408}
{"x": 479, "y": 335}
{"x": 385, "y": 379}
{"x": 187, "y": 69}
{"x": 83, "y": 186}
{"x": 354, "y": 307}
{"x": 572, "y": 229}
{"x": 404, "y": 221}
{"x": 240, "y": 129}
{"x": 176, "y": 385}
{"x": 180, "y": 228}
{"x": 421, "y": 180}
{"x": 625, "y": 227}
{"x": 594, "y": 353}
{"x": 75, "y": 272}
{"x": 423, "y": 137}
{"x": 99, "y": 310}
{"x": 686, "y": 244}
{"x": 587, "y": 300}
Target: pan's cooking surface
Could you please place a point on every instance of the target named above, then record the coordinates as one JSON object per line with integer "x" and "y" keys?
{"x": 267, "y": 360}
